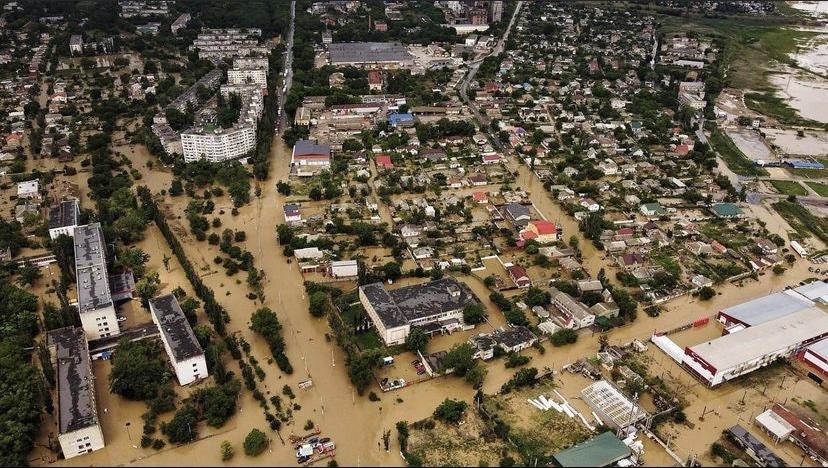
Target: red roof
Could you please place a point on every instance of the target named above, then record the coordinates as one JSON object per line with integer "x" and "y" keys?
{"x": 517, "y": 271}
{"x": 480, "y": 196}
{"x": 384, "y": 160}
{"x": 528, "y": 235}
{"x": 374, "y": 77}
{"x": 545, "y": 227}
{"x": 682, "y": 149}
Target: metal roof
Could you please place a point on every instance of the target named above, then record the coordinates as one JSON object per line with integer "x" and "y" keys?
{"x": 75, "y": 383}
{"x": 760, "y": 340}
{"x": 174, "y": 326}
{"x": 368, "y": 52}
{"x": 601, "y": 450}
{"x": 420, "y": 301}
{"x": 767, "y": 308}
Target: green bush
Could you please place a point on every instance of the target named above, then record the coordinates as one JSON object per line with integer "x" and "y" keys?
{"x": 255, "y": 443}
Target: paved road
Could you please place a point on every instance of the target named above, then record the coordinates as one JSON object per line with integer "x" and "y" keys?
{"x": 473, "y": 67}
{"x": 281, "y": 121}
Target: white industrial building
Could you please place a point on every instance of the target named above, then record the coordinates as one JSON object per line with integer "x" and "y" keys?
{"x": 63, "y": 219}
{"x": 738, "y": 353}
{"x": 79, "y": 431}
{"x": 611, "y": 405}
{"x": 345, "y": 269}
{"x": 95, "y": 305}
{"x": 183, "y": 349}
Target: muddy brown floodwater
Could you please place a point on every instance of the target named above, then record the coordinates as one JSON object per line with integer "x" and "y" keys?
{"x": 354, "y": 423}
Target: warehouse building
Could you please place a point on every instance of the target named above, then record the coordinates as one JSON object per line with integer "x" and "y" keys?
{"x": 373, "y": 54}
{"x": 183, "y": 349}
{"x": 763, "y": 309}
{"x": 436, "y": 306}
{"x": 814, "y": 359}
{"x": 730, "y": 356}
{"x": 611, "y": 405}
{"x": 95, "y": 305}
{"x": 79, "y": 431}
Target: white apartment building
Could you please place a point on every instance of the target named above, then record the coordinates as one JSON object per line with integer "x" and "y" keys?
{"x": 183, "y": 349}
{"x": 217, "y": 145}
{"x": 79, "y": 431}
{"x": 576, "y": 314}
{"x": 238, "y": 76}
{"x": 95, "y": 305}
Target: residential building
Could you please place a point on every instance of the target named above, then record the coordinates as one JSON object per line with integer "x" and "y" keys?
{"x": 783, "y": 425}
{"x": 758, "y": 451}
{"x": 514, "y": 339}
{"x": 436, "y": 306}
{"x": 63, "y": 219}
{"x": 76, "y": 44}
{"x": 495, "y": 11}
{"x": 576, "y": 315}
{"x": 28, "y": 189}
{"x": 542, "y": 231}
{"x": 344, "y": 269}
{"x": 180, "y": 343}
{"x": 95, "y": 305}
{"x": 79, "y": 430}
{"x": 375, "y": 81}
{"x": 180, "y": 22}
{"x": 519, "y": 276}
{"x": 516, "y": 213}
{"x": 216, "y": 144}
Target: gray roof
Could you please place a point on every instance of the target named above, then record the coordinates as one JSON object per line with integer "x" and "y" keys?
{"x": 75, "y": 383}
{"x": 762, "y": 453}
{"x": 768, "y": 308}
{"x": 64, "y": 214}
{"x": 420, "y": 301}
{"x": 516, "y": 210}
{"x": 303, "y": 147}
{"x": 368, "y": 52}
{"x": 514, "y": 336}
{"x": 90, "y": 268}
{"x": 174, "y": 326}
{"x": 816, "y": 291}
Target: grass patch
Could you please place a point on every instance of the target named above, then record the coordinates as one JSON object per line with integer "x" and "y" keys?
{"x": 733, "y": 156}
{"x": 820, "y": 188}
{"x": 369, "y": 340}
{"x": 802, "y": 220}
{"x": 789, "y": 187}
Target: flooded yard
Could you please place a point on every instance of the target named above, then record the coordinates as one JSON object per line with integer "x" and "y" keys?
{"x": 812, "y": 143}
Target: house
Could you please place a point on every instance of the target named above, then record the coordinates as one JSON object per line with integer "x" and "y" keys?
{"x": 480, "y": 197}
{"x": 28, "y": 189}
{"x": 375, "y": 81}
{"x": 180, "y": 343}
{"x": 652, "y": 210}
{"x": 490, "y": 158}
{"x": 516, "y": 213}
{"x": 519, "y": 276}
{"x": 292, "y": 213}
{"x": 308, "y": 153}
{"x": 384, "y": 162}
{"x": 544, "y": 232}
{"x": 590, "y": 285}
{"x": 766, "y": 246}
{"x": 483, "y": 345}
{"x": 590, "y": 205}
{"x": 344, "y": 269}
{"x": 783, "y": 425}
{"x": 514, "y": 339}
{"x": 576, "y": 315}
{"x": 436, "y": 304}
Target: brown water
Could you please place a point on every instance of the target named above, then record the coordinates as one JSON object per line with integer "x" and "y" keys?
{"x": 355, "y": 424}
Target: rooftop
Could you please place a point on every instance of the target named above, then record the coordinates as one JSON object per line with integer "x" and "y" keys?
{"x": 75, "y": 383}
{"x": 174, "y": 326}
{"x": 754, "y": 342}
{"x": 760, "y": 451}
{"x": 768, "y": 308}
{"x": 601, "y": 450}
{"x": 64, "y": 214}
{"x": 90, "y": 268}
{"x": 366, "y": 52}
{"x": 411, "y": 303}
{"x": 307, "y": 148}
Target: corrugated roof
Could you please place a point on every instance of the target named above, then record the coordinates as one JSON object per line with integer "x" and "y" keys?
{"x": 601, "y": 450}
{"x": 767, "y": 308}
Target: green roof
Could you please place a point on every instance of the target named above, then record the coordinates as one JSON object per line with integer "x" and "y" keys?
{"x": 602, "y": 450}
{"x": 655, "y": 208}
{"x": 726, "y": 209}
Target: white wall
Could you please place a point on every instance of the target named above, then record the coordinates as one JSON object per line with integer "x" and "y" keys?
{"x": 95, "y": 323}
{"x": 189, "y": 370}
{"x": 81, "y": 441}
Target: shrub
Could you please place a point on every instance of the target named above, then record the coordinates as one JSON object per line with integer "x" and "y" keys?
{"x": 227, "y": 450}
{"x": 255, "y": 443}
{"x": 450, "y": 411}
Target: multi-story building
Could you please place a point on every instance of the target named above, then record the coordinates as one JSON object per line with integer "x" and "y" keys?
{"x": 576, "y": 315}
{"x": 79, "y": 431}
{"x": 180, "y": 22}
{"x": 183, "y": 349}
{"x": 239, "y": 76}
{"x": 216, "y": 144}
{"x": 63, "y": 219}
{"x": 436, "y": 306}
{"x": 232, "y": 42}
{"x": 76, "y": 44}
{"x": 496, "y": 10}
{"x": 143, "y": 8}
{"x": 95, "y": 305}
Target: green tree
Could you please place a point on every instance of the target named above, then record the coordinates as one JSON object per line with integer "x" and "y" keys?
{"x": 318, "y": 303}
{"x": 706, "y": 293}
{"x": 255, "y": 443}
{"x": 183, "y": 427}
{"x": 147, "y": 287}
{"x": 265, "y": 323}
{"x": 28, "y": 275}
{"x": 450, "y": 411}
{"x": 227, "y": 450}
{"x": 134, "y": 259}
{"x": 473, "y": 314}
{"x": 138, "y": 370}
{"x": 416, "y": 340}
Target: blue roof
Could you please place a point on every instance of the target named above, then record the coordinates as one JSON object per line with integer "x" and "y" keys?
{"x": 805, "y": 164}
{"x": 400, "y": 117}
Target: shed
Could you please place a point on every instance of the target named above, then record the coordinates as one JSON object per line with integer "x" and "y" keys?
{"x": 601, "y": 450}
